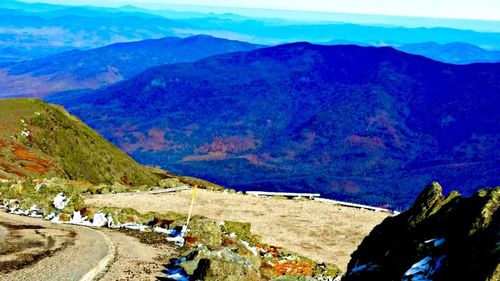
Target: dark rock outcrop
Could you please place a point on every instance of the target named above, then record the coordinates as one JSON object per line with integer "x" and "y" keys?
{"x": 439, "y": 238}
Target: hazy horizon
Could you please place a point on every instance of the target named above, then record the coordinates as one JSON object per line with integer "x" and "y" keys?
{"x": 444, "y": 9}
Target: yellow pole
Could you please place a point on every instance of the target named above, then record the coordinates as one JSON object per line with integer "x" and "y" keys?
{"x": 192, "y": 203}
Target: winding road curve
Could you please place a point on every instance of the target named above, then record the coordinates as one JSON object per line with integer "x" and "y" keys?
{"x": 88, "y": 257}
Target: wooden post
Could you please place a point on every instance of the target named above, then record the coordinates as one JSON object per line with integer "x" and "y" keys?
{"x": 192, "y": 203}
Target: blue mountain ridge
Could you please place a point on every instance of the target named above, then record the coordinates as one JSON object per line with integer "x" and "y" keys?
{"x": 364, "y": 124}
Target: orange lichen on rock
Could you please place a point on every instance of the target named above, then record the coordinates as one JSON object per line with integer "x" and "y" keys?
{"x": 292, "y": 268}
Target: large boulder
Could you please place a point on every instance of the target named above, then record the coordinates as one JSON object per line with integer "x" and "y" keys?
{"x": 222, "y": 264}
{"x": 205, "y": 231}
{"x": 439, "y": 238}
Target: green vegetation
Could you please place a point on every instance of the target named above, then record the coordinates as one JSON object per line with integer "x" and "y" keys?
{"x": 44, "y": 140}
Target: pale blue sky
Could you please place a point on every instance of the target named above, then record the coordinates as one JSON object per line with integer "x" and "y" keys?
{"x": 462, "y": 9}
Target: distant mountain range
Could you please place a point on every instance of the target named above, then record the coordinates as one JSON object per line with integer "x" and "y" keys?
{"x": 458, "y": 53}
{"x": 357, "y": 123}
{"x": 29, "y": 31}
{"x": 76, "y": 70}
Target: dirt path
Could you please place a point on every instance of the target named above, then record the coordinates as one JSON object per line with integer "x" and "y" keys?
{"x": 317, "y": 230}
{"x": 80, "y": 254}
{"x": 3, "y": 232}
{"x": 135, "y": 260}
{"x": 77, "y": 251}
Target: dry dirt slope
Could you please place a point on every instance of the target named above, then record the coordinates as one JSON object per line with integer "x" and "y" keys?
{"x": 319, "y": 231}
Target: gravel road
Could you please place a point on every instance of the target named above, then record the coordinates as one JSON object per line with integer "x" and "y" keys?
{"x": 72, "y": 263}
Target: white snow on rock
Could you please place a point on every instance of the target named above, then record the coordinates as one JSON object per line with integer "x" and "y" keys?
{"x": 436, "y": 241}
{"x": 178, "y": 240}
{"x": 134, "y": 226}
{"x": 25, "y": 133}
{"x": 177, "y": 237}
{"x": 77, "y": 218}
{"x": 111, "y": 223}
{"x": 55, "y": 219}
{"x": 177, "y": 276}
{"x": 251, "y": 249}
{"x": 99, "y": 220}
{"x": 60, "y": 201}
{"x": 424, "y": 269}
{"x": 50, "y": 216}
{"x": 161, "y": 230}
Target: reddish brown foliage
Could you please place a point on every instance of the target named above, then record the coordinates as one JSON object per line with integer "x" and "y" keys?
{"x": 229, "y": 144}
{"x": 153, "y": 141}
{"x": 212, "y": 156}
{"x": 22, "y": 154}
{"x": 369, "y": 142}
{"x": 41, "y": 167}
{"x": 384, "y": 120}
{"x": 11, "y": 170}
{"x": 37, "y": 169}
{"x": 349, "y": 186}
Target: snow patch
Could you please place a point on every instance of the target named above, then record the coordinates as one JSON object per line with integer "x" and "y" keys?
{"x": 60, "y": 201}
{"x": 424, "y": 269}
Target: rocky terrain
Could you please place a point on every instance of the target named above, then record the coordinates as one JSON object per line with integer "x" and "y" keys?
{"x": 438, "y": 238}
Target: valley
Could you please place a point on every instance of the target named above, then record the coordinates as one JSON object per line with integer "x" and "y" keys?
{"x": 249, "y": 141}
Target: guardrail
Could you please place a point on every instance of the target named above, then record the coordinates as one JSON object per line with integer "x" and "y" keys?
{"x": 284, "y": 194}
{"x": 317, "y": 197}
{"x": 157, "y": 191}
{"x": 354, "y": 205}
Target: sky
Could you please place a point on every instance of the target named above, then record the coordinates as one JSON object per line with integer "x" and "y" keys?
{"x": 458, "y": 9}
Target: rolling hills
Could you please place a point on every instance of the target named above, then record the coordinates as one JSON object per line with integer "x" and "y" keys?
{"x": 457, "y": 52}
{"x": 361, "y": 124}
{"x": 39, "y": 140}
{"x": 30, "y": 30}
{"x": 76, "y": 70}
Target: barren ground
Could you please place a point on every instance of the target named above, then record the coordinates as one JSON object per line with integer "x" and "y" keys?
{"x": 320, "y": 231}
